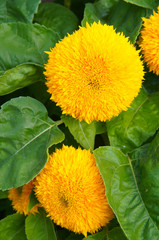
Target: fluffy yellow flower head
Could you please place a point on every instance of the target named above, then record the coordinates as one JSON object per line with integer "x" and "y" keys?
{"x": 71, "y": 190}
{"x": 20, "y": 199}
{"x": 94, "y": 74}
{"x": 149, "y": 42}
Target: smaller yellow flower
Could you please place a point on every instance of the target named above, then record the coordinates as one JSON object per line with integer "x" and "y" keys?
{"x": 149, "y": 42}
{"x": 71, "y": 190}
{"x": 20, "y": 199}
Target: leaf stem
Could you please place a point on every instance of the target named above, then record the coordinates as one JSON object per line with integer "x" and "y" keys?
{"x": 59, "y": 122}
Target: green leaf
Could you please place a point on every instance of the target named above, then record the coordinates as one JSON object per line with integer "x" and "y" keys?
{"x": 91, "y": 15}
{"x": 151, "y": 82}
{"x": 116, "y": 234}
{"x": 125, "y": 17}
{"x": 145, "y": 3}
{"x": 148, "y": 166}
{"x": 97, "y": 11}
{"x": 39, "y": 227}
{"x": 3, "y": 194}
{"x": 132, "y": 128}
{"x": 124, "y": 195}
{"x": 19, "y": 77}
{"x": 12, "y": 227}
{"x": 59, "y": 18}
{"x": 17, "y": 10}
{"x": 24, "y": 43}
{"x": 26, "y": 132}
{"x": 83, "y": 132}
{"x": 100, "y": 127}
{"x": 32, "y": 201}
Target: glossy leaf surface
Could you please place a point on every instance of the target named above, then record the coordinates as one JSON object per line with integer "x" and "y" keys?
{"x": 134, "y": 126}
{"x": 19, "y": 77}
{"x": 26, "y": 132}
{"x": 147, "y": 158}
{"x": 83, "y": 132}
{"x": 124, "y": 195}
{"x": 24, "y": 43}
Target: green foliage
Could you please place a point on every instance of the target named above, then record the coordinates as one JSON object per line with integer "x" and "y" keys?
{"x": 17, "y": 10}
{"x": 145, "y": 3}
{"x": 26, "y": 132}
{"x": 25, "y": 43}
{"x": 19, "y": 77}
{"x": 32, "y": 126}
{"x": 13, "y": 227}
{"x": 32, "y": 201}
{"x": 147, "y": 158}
{"x": 39, "y": 227}
{"x": 83, "y": 132}
{"x": 124, "y": 194}
{"x": 3, "y": 194}
{"x": 57, "y": 17}
{"x": 136, "y": 125}
{"x": 125, "y": 17}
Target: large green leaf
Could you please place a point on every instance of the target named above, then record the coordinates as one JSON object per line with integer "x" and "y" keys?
{"x": 23, "y": 43}
{"x": 132, "y": 128}
{"x": 148, "y": 166}
{"x": 39, "y": 227}
{"x": 17, "y": 10}
{"x": 26, "y": 132}
{"x": 13, "y": 228}
{"x": 57, "y": 17}
{"x": 83, "y": 132}
{"x": 152, "y": 4}
{"x": 125, "y": 17}
{"x": 124, "y": 195}
{"x": 19, "y": 77}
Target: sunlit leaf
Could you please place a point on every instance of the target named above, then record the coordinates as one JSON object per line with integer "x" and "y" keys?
{"x": 133, "y": 127}
{"x": 26, "y": 132}
{"x": 39, "y": 227}
{"x": 148, "y": 166}
{"x": 83, "y": 132}
{"x": 124, "y": 195}
{"x": 19, "y": 77}
{"x": 23, "y": 43}
{"x": 12, "y": 227}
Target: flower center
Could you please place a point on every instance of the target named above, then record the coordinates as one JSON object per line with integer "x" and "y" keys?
{"x": 93, "y": 83}
{"x": 64, "y": 200}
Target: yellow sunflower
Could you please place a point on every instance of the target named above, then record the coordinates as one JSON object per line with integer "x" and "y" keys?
{"x": 94, "y": 74}
{"x": 20, "y": 199}
{"x": 71, "y": 190}
{"x": 149, "y": 41}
